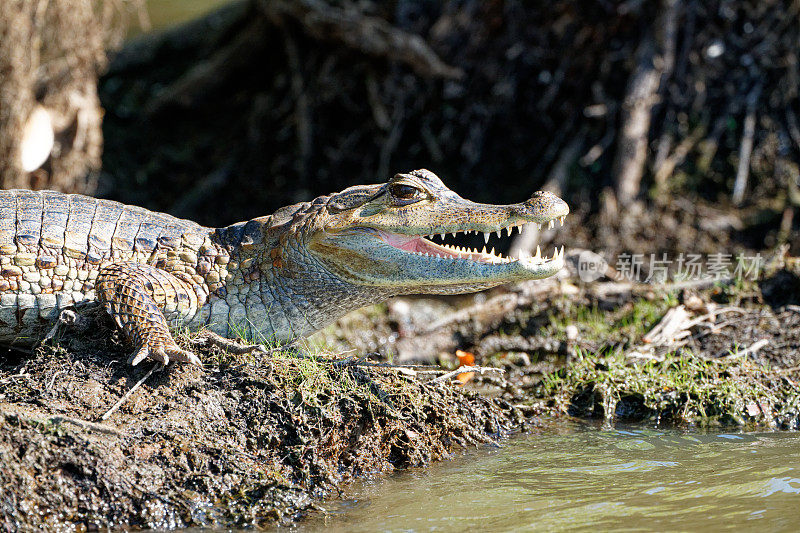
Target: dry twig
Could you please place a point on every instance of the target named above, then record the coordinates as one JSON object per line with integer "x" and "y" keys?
{"x": 464, "y": 369}
{"x": 157, "y": 366}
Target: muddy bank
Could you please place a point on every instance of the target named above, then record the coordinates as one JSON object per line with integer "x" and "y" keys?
{"x": 242, "y": 442}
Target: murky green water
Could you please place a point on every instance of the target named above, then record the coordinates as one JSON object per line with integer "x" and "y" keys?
{"x": 584, "y": 478}
{"x": 164, "y": 13}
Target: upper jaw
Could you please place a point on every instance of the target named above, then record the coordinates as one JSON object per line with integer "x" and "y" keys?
{"x": 457, "y": 215}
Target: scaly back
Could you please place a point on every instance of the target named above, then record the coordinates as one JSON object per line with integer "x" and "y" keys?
{"x": 52, "y": 246}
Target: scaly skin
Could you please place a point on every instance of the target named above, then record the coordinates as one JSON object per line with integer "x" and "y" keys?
{"x": 278, "y": 277}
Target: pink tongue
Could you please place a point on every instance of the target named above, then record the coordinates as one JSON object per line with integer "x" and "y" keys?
{"x": 413, "y": 246}
{"x": 409, "y": 244}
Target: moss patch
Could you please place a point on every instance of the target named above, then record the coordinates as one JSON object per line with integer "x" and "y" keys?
{"x": 682, "y": 388}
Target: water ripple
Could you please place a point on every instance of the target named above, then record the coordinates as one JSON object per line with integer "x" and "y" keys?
{"x": 579, "y": 478}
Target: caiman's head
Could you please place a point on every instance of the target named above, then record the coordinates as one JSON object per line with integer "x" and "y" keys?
{"x": 381, "y": 236}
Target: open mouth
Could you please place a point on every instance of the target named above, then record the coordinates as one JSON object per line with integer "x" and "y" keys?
{"x": 421, "y": 245}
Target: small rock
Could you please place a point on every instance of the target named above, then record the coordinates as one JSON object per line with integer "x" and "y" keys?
{"x": 571, "y": 332}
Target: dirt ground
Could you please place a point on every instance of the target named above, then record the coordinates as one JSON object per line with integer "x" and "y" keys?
{"x": 242, "y": 442}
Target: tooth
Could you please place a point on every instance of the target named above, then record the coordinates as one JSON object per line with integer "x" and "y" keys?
{"x": 486, "y": 237}
{"x": 551, "y": 224}
{"x": 538, "y": 252}
{"x": 538, "y": 226}
{"x": 492, "y": 252}
{"x": 442, "y": 236}
{"x": 562, "y": 251}
{"x": 498, "y": 232}
{"x": 562, "y": 220}
{"x": 484, "y": 250}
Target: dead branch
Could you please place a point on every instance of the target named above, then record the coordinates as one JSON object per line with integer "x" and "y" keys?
{"x": 157, "y": 366}
{"x": 678, "y": 156}
{"x": 369, "y": 35}
{"x": 61, "y": 419}
{"x": 746, "y": 146}
{"x": 203, "y": 76}
{"x": 670, "y": 328}
{"x": 752, "y": 349}
{"x": 464, "y": 369}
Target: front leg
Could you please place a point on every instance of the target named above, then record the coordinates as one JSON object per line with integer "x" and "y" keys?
{"x": 136, "y": 296}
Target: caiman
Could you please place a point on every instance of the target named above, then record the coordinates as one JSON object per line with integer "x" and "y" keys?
{"x": 278, "y": 277}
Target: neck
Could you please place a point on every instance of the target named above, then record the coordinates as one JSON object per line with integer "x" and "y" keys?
{"x": 275, "y": 289}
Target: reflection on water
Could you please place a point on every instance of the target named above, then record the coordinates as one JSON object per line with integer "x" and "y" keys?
{"x": 580, "y": 478}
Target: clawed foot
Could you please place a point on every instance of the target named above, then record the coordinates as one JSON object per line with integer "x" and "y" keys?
{"x": 164, "y": 354}
{"x": 209, "y": 338}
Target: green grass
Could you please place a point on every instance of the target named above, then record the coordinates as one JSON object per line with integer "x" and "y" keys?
{"x": 311, "y": 373}
{"x": 681, "y": 387}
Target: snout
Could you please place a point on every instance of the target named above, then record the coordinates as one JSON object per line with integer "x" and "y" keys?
{"x": 545, "y": 206}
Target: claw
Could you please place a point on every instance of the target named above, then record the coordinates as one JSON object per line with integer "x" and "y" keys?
{"x": 138, "y": 357}
{"x": 165, "y": 355}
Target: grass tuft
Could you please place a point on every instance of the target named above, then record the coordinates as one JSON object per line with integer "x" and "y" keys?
{"x": 680, "y": 388}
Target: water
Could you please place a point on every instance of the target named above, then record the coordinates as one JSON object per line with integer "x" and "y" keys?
{"x": 580, "y": 478}
{"x": 165, "y": 13}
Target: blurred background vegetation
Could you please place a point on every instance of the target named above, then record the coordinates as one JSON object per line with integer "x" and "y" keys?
{"x": 668, "y": 126}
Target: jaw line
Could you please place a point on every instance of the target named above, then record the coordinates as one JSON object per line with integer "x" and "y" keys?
{"x": 396, "y": 263}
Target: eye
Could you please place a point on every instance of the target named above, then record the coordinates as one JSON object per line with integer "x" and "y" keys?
{"x": 404, "y": 192}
